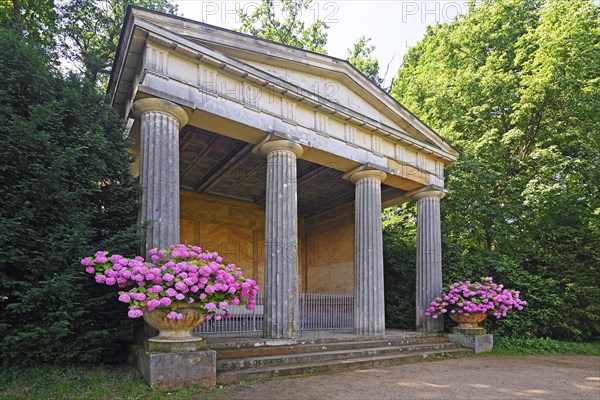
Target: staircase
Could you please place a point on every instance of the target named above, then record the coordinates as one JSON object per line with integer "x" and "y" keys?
{"x": 261, "y": 359}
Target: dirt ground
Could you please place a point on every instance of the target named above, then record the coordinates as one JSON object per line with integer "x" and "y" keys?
{"x": 482, "y": 377}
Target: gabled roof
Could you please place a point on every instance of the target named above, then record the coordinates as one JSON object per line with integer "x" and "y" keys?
{"x": 245, "y": 52}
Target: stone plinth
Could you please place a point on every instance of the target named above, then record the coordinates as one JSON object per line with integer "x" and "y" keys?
{"x": 172, "y": 365}
{"x": 177, "y": 366}
{"x": 477, "y": 339}
{"x": 175, "y": 371}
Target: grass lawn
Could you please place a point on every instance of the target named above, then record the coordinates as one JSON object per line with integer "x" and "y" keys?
{"x": 521, "y": 347}
{"x": 90, "y": 383}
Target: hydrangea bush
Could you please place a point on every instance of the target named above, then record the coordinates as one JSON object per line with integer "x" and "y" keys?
{"x": 176, "y": 275}
{"x": 468, "y": 297}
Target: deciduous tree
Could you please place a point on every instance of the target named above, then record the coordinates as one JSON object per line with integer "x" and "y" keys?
{"x": 514, "y": 84}
{"x": 281, "y": 21}
{"x": 360, "y": 55}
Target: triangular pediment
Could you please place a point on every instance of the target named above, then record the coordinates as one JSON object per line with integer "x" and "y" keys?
{"x": 328, "y": 83}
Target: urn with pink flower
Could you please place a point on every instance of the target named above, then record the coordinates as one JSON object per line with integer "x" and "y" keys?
{"x": 469, "y": 303}
{"x": 177, "y": 290}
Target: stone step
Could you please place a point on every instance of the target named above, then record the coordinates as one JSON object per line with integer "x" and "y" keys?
{"x": 326, "y": 353}
{"x": 237, "y": 342}
{"x": 265, "y": 373}
{"x": 262, "y": 349}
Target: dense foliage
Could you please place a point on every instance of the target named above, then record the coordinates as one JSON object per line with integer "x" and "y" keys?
{"x": 90, "y": 30}
{"x": 64, "y": 190}
{"x": 281, "y": 21}
{"x": 400, "y": 258}
{"x": 515, "y": 86}
{"x": 360, "y": 55}
{"x": 65, "y": 186}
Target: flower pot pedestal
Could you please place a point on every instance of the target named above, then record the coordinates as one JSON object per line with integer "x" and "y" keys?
{"x": 468, "y": 333}
{"x": 175, "y": 358}
{"x": 175, "y": 368}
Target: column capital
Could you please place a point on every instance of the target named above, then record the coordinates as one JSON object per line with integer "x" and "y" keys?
{"x": 363, "y": 172}
{"x": 280, "y": 144}
{"x": 428, "y": 191}
{"x": 160, "y": 105}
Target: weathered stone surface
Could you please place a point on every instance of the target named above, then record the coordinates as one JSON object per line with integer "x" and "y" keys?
{"x": 175, "y": 347}
{"x": 174, "y": 371}
{"x": 429, "y": 255}
{"x": 160, "y": 124}
{"x": 469, "y": 331}
{"x": 369, "y": 304}
{"x": 246, "y": 361}
{"x": 472, "y": 338}
{"x": 281, "y": 310}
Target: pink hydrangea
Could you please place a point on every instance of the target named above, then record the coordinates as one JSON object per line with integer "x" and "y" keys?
{"x": 178, "y": 272}
{"x": 124, "y": 298}
{"x": 475, "y": 297}
{"x": 135, "y": 313}
{"x": 165, "y": 302}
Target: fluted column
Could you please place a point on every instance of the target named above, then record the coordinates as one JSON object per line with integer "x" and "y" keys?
{"x": 369, "y": 305}
{"x": 281, "y": 310}
{"x": 161, "y": 121}
{"x": 429, "y": 256}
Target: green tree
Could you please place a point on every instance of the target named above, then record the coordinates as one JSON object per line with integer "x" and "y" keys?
{"x": 291, "y": 30}
{"x": 399, "y": 260}
{"x": 360, "y": 55}
{"x": 65, "y": 191}
{"x": 90, "y": 31}
{"x": 35, "y": 20}
{"x": 514, "y": 85}
{"x": 83, "y": 32}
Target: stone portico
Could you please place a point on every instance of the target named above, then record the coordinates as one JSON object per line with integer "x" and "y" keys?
{"x": 278, "y": 158}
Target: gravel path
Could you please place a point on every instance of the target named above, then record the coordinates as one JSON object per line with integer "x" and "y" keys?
{"x": 482, "y": 377}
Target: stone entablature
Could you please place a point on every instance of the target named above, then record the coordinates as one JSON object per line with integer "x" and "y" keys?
{"x": 223, "y": 93}
{"x": 338, "y": 126}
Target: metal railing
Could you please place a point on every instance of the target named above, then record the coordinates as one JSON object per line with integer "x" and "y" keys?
{"x": 242, "y": 320}
{"x": 318, "y": 311}
{"x": 326, "y": 311}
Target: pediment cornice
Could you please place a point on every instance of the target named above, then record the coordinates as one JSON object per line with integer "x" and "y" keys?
{"x": 219, "y": 48}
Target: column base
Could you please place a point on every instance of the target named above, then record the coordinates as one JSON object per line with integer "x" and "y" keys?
{"x": 476, "y": 339}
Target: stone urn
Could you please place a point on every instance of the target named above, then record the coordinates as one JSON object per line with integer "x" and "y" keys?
{"x": 176, "y": 330}
{"x": 470, "y": 321}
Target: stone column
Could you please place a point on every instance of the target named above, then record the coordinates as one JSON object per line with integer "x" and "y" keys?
{"x": 429, "y": 256}
{"x": 369, "y": 305}
{"x": 281, "y": 309}
{"x": 161, "y": 121}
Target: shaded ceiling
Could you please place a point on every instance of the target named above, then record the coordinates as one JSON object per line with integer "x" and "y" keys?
{"x": 216, "y": 165}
